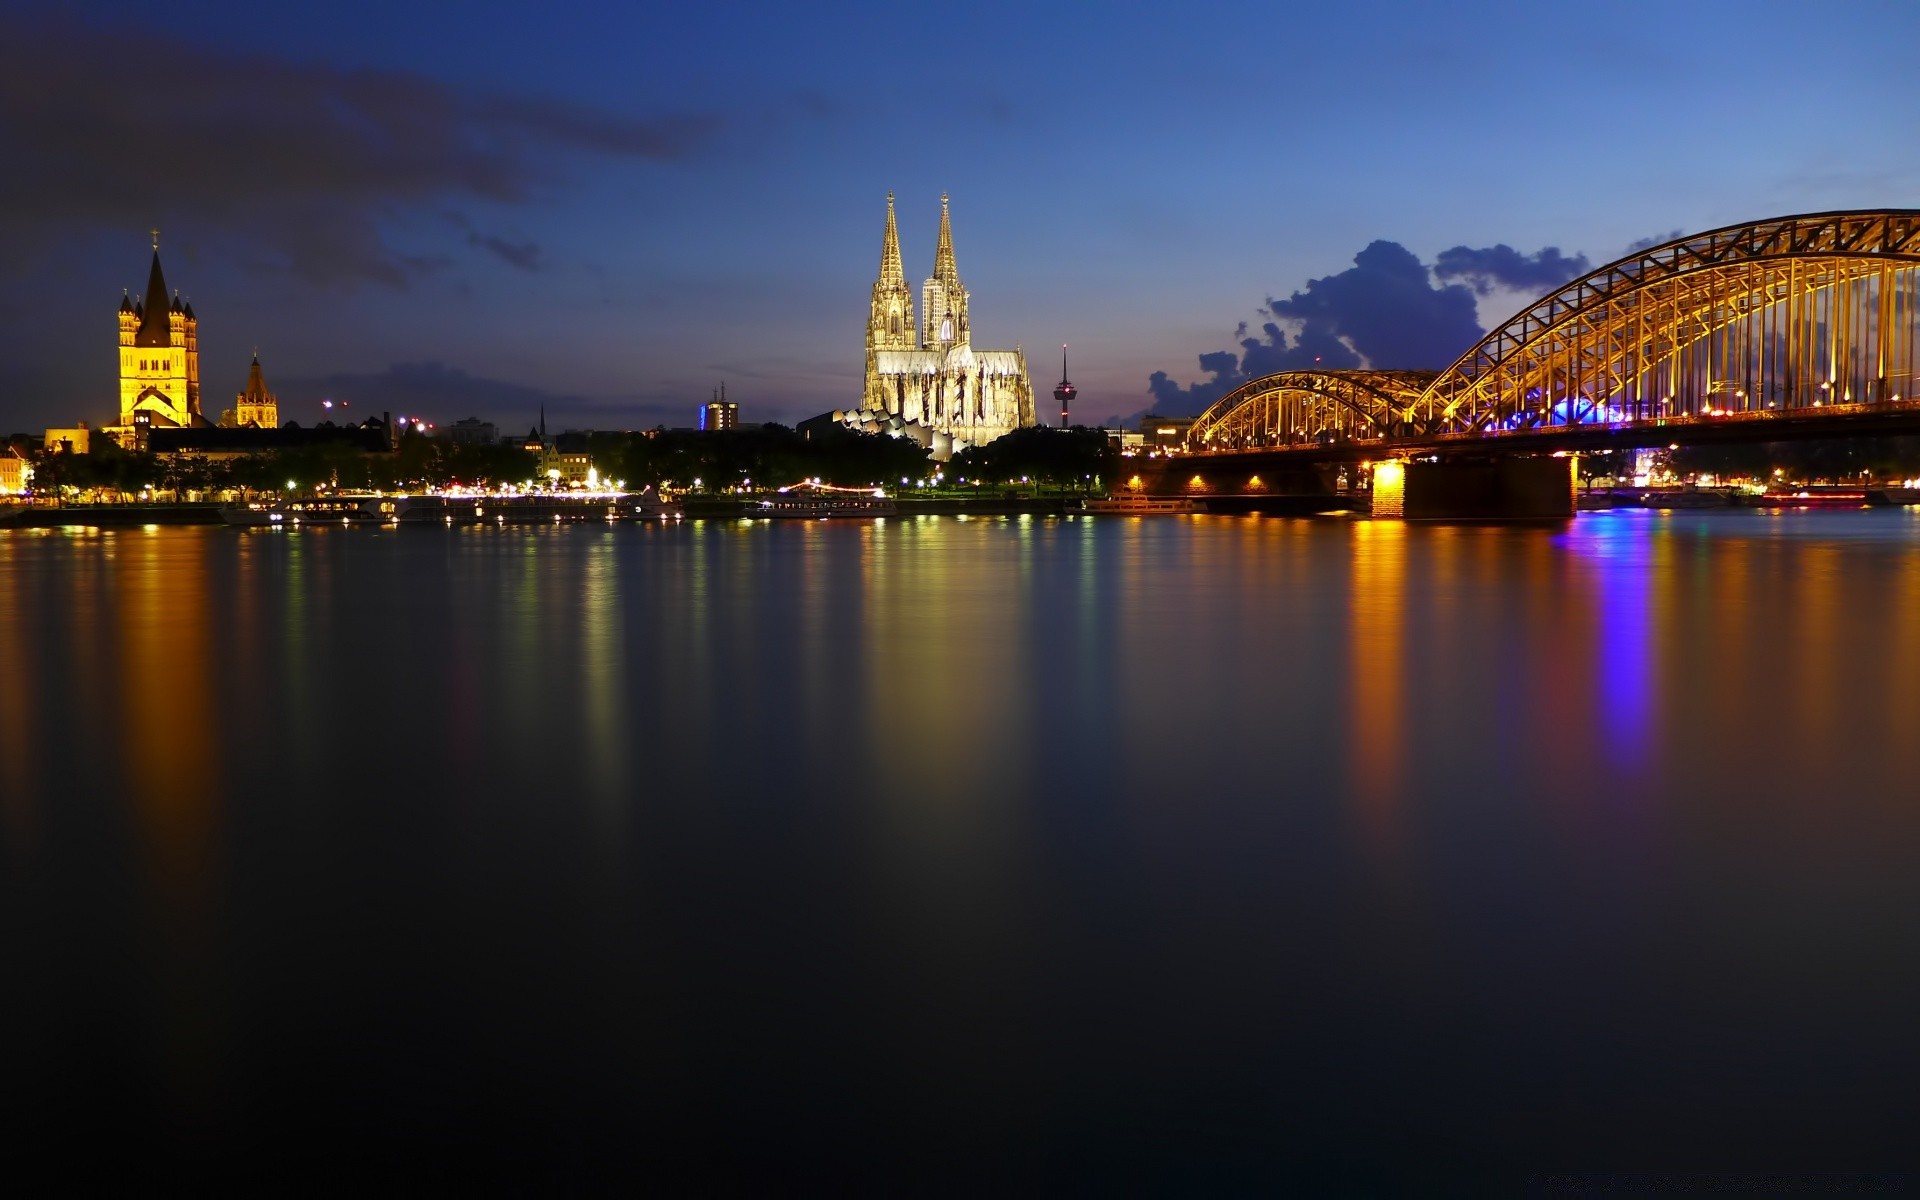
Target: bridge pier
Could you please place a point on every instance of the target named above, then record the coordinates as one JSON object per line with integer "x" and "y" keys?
{"x": 1538, "y": 488}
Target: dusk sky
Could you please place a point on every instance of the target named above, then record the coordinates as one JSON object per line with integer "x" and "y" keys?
{"x": 610, "y": 208}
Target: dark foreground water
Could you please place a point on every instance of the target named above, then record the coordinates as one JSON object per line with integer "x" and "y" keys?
{"x": 1164, "y": 854}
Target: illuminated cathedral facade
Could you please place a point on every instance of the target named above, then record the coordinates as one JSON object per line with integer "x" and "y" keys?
{"x": 924, "y": 378}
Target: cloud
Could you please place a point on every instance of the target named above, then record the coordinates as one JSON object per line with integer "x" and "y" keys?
{"x": 444, "y": 394}
{"x": 1383, "y": 311}
{"x": 1648, "y": 243}
{"x": 1389, "y": 311}
{"x": 308, "y": 167}
{"x": 1495, "y": 267}
{"x": 524, "y": 255}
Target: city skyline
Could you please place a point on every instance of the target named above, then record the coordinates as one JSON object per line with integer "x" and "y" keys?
{"x": 499, "y": 220}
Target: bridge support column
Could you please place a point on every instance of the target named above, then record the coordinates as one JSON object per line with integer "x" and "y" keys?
{"x": 1390, "y": 491}
{"x": 1505, "y": 489}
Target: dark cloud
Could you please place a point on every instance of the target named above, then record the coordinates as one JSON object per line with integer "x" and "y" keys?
{"x": 307, "y": 167}
{"x": 1648, "y": 243}
{"x": 524, "y": 255}
{"x": 443, "y": 394}
{"x": 1384, "y": 311}
{"x": 1494, "y": 267}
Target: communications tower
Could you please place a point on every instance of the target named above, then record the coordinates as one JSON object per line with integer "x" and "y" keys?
{"x": 1066, "y": 391}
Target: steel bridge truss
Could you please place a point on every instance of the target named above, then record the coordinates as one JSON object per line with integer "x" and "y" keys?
{"x": 1303, "y": 407}
{"x": 1751, "y": 320}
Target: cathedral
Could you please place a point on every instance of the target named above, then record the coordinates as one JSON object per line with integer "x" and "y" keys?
{"x": 159, "y": 361}
{"x": 925, "y": 380}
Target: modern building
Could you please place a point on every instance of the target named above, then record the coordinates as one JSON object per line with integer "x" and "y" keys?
{"x": 159, "y": 361}
{"x": 924, "y": 379}
{"x": 255, "y": 408}
{"x": 719, "y": 413}
{"x": 1164, "y": 435}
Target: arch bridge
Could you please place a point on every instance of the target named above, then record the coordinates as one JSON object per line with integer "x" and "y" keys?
{"x": 1798, "y": 326}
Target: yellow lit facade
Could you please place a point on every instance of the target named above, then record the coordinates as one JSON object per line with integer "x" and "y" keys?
{"x": 256, "y": 407}
{"x": 159, "y": 360}
{"x": 925, "y": 380}
{"x": 15, "y": 471}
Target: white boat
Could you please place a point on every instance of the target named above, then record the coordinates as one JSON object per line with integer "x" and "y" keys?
{"x": 530, "y": 508}
{"x": 326, "y": 510}
{"x": 817, "y": 502}
{"x": 1142, "y": 506}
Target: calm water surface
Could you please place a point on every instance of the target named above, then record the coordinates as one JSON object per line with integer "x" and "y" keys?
{"x": 1172, "y": 853}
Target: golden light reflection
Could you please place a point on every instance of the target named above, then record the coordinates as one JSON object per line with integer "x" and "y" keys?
{"x": 168, "y": 732}
{"x": 1376, "y": 726}
{"x": 168, "y": 727}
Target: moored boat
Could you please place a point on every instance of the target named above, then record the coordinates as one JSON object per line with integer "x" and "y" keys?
{"x": 1142, "y": 506}
{"x": 528, "y": 508}
{"x": 819, "y": 502}
{"x": 1812, "y": 496}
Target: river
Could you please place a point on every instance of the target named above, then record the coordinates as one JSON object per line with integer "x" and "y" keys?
{"x": 938, "y": 853}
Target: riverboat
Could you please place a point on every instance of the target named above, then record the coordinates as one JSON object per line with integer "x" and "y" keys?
{"x": 1143, "y": 506}
{"x": 326, "y": 510}
{"x": 1895, "y": 496}
{"x": 1811, "y": 496}
{"x": 820, "y": 503}
{"x": 531, "y": 508}
{"x": 1684, "y": 497}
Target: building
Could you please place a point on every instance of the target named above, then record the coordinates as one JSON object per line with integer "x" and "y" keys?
{"x": 719, "y": 413}
{"x": 1164, "y": 435}
{"x": 16, "y": 473}
{"x": 566, "y": 460}
{"x": 925, "y": 380}
{"x": 78, "y": 440}
{"x": 255, "y": 408}
{"x": 159, "y": 361}
{"x": 562, "y": 460}
{"x": 472, "y": 431}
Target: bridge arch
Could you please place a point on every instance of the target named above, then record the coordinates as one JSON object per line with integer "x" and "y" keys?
{"x": 1791, "y": 313}
{"x": 1301, "y": 406}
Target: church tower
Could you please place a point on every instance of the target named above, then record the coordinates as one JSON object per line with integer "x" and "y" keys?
{"x": 256, "y": 406}
{"x": 890, "y": 324}
{"x": 159, "y": 357}
{"x": 944, "y": 298}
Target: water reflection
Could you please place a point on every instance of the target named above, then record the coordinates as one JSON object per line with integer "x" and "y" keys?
{"x": 1128, "y": 843}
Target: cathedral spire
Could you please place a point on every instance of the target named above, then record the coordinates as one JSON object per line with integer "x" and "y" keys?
{"x": 943, "y": 265}
{"x": 891, "y": 272}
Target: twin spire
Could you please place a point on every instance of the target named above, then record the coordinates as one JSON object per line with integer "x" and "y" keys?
{"x": 943, "y": 265}
{"x": 892, "y": 273}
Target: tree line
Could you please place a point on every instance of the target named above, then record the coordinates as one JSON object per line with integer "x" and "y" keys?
{"x": 756, "y": 457}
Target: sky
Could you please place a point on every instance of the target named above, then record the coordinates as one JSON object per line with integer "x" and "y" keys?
{"x": 611, "y": 208}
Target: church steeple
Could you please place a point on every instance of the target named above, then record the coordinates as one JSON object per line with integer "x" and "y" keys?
{"x": 943, "y": 297}
{"x": 153, "y": 314}
{"x": 944, "y": 268}
{"x": 890, "y": 321}
{"x": 256, "y": 406}
{"x": 892, "y": 274}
